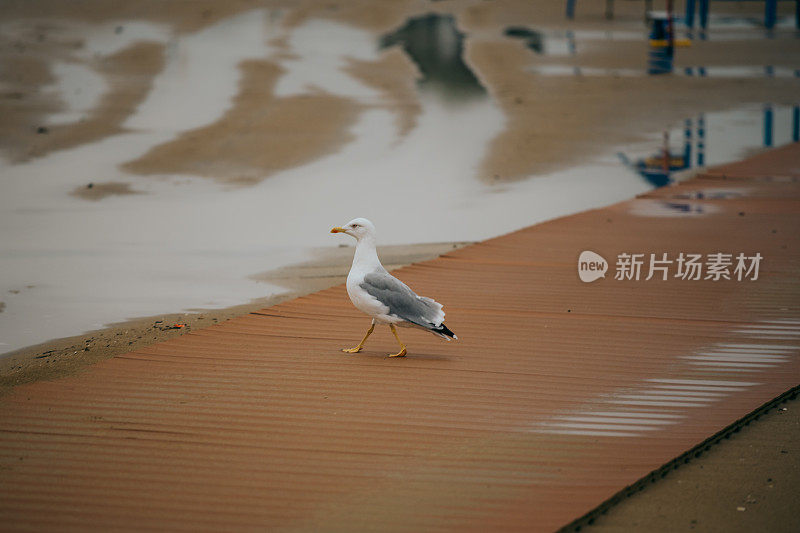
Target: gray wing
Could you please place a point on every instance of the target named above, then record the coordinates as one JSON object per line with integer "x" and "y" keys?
{"x": 402, "y": 301}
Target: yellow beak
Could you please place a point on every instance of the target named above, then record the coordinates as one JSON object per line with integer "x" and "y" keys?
{"x": 337, "y": 229}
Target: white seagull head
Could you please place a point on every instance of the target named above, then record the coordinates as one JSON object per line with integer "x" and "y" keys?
{"x": 358, "y": 228}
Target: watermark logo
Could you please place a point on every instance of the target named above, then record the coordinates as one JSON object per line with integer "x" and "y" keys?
{"x": 591, "y": 266}
{"x": 688, "y": 266}
{"x": 717, "y": 266}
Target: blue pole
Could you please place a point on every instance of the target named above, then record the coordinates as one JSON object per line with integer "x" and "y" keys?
{"x": 687, "y": 143}
{"x": 570, "y": 9}
{"x": 571, "y": 42}
{"x": 690, "y": 10}
{"x": 768, "y": 125}
{"x": 770, "y": 13}
{"x": 796, "y": 123}
{"x": 704, "y": 14}
{"x": 701, "y": 143}
{"x": 797, "y": 14}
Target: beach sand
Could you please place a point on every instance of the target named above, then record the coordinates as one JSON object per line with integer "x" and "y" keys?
{"x": 746, "y": 482}
{"x": 62, "y": 357}
{"x": 551, "y": 120}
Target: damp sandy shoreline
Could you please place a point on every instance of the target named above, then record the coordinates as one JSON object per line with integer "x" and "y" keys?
{"x": 58, "y": 358}
{"x": 283, "y": 115}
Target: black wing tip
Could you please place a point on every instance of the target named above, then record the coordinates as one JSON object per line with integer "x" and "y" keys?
{"x": 445, "y": 331}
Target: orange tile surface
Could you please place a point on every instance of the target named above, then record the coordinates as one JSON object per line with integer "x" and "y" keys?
{"x": 558, "y": 394}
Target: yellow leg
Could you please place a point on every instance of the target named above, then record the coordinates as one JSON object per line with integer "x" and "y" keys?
{"x": 361, "y": 344}
{"x": 402, "y": 352}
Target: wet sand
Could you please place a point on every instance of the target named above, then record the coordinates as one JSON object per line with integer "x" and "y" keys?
{"x": 62, "y": 357}
{"x": 136, "y": 149}
{"x": 749, "y": 481}
{"x": 98, "y": 191}
{"x": 550, "y": 121}
{"x": 241, "y": 147}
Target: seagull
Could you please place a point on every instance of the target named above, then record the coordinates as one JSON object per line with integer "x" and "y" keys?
{"x": 384, "y": 297}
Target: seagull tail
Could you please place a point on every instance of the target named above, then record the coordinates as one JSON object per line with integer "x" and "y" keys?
{"x": 444, "y": 332}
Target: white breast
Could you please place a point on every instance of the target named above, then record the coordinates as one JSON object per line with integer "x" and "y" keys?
{"x": 363, "y": 301}
{"x": 365, "y": 261}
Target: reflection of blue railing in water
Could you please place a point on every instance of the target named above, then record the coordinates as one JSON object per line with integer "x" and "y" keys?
{"x": 768, "y": 125}
{"x": 701, "y": 140}
{"x": 687, "y": 140}
{"x": 609, "y": 10}
{"x": 659, "y": 58}
{"x": 658, "y": 168}
{"x": 701, "y": 7}
{"x": 768, "y": 71}
{"x": 796, "y": 123}
{"x": 572, "y": 48}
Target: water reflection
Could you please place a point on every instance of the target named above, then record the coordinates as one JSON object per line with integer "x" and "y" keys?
{"x": 713, "y": 71}
{"x": 702, "y": 379}
{"x": 533, "y": 39}
{"x": 655, "y": 208}
{"x": 715, "y": 138}
{"x": 684, "y": 207}
{"x": 103, "y": 267}
{"x": 434, "y": 43}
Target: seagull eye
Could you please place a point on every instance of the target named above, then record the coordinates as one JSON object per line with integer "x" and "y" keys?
{"x": 354, "y": 225}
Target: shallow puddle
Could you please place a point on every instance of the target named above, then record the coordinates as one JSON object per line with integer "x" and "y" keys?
{"x": 533, "y": 39}
{"x": 646, "y": 207}
{"x": 569, "y": 42}
{"x": 436, "y": 46}
{"x": 726, "y": 72}
{"x": 71, "y": 264}
{"x": 710, "y": 139}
